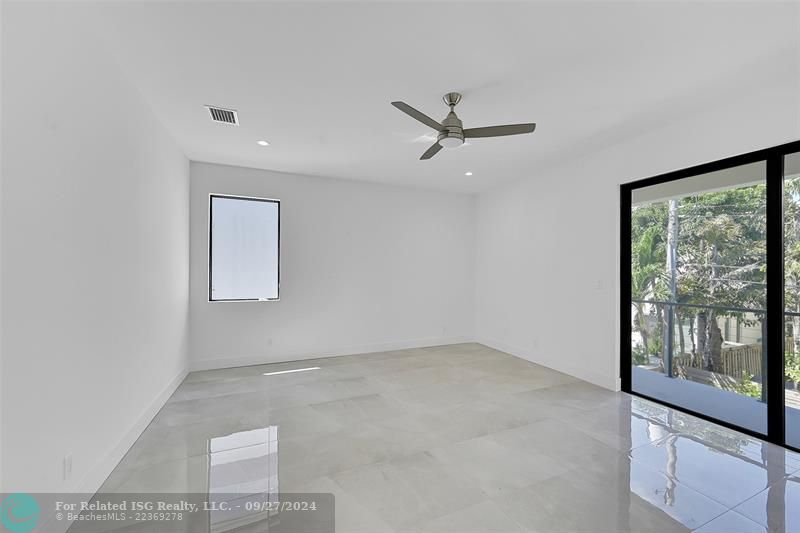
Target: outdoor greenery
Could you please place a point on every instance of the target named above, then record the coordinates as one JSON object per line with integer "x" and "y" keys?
{"x": 748, "y": 387}
{"x": 792, "y": 370}
{"x": 709, "y": 249}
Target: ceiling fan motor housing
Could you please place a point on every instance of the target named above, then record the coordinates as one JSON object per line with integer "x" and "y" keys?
{"x": 453, "y": 133}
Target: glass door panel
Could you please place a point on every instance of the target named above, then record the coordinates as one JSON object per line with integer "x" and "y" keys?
{"x": 791, "y": 273}
{"x": 698, "y": 294}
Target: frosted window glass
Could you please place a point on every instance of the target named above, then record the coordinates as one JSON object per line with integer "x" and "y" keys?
{"x": 244, "y": 248}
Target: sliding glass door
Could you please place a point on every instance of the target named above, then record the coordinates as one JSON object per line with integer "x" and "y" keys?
{"x": 791, "y": 269}
{"x": 698, "y": 293}
{"x": 709, "y": 323}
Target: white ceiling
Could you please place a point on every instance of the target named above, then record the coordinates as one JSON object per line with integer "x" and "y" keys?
{"x": 316, "y": 80}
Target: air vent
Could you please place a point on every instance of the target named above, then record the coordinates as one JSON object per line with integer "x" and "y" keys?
{"x": 226, "y": 116}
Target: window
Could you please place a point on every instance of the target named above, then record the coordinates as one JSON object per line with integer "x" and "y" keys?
{"x": 698, "y": 261}
{"x": 710, "y": 286}
{"x": 791, "y": 296}
{"x": 244, "y": 249}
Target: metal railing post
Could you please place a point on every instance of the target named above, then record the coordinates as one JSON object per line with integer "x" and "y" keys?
{"x": 669, "y": 338}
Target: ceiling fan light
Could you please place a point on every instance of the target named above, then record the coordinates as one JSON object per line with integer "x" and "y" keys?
{"x": 451, "y": 142}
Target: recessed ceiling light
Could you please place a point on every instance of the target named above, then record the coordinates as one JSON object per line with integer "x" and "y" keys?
{"x": 262, "y": 143}
{"x": 468, "y": 173}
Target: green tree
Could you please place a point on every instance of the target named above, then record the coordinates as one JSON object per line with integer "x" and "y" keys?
{"x": 717, "y": 241}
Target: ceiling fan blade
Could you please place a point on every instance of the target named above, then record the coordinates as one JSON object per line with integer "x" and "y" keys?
{"x": 432, "y": 151}
{"x": 419, "y": 115}
{"x": 499, "y": 131}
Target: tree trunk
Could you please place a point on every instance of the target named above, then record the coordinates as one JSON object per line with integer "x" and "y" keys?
{"x": 702, "y": 336}
{"x": 713, "y": 351}
{"x": 681, "y": 339}
{"x": 660, "y": 322}
{"x": 714, "y": 344}
{"x": 641, "y": 322}
{"x": 672, "y": 272}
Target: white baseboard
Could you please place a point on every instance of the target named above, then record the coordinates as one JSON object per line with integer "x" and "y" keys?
{"x": 601, "y": 380}
{"x": 285, "y": 356}
{"x": 92, "y": 481}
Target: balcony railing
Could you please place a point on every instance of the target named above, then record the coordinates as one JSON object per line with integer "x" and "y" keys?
{"x": 715, "y": 360}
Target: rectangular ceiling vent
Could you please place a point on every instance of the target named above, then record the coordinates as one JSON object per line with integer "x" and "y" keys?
{"x": 226, "y": 116}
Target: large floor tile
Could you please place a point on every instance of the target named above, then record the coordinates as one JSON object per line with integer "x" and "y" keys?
{"x": 777, "y": 507}
{"x": 563, "y": 400}
{"x": 472, "y": 419}
{"x": 459, "y": 438}
{"x": 176, "y": 476}
{"x": 634, "y": 423}
{"x": 483, "y": 517}
{"x": 614, "y": 497}
{"x": 560, "y": 442}
{"x": 719, "y": 473}
{"x": 435, "y": 397}
{"x": 425, "y": 375}
{"x": 733, "y": 522}
{"x": 351, "y": 514}
{"x": 409, "y": 492}
{"x": 304, "y": 459}
{"x": 359, "y": 408}
{"x": 165, "y": 443}
{"x": 496, "y": 468}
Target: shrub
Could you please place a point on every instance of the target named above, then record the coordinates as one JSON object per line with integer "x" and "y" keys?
{"x": 748, "y": 387}
{"x": 792, "y": 370}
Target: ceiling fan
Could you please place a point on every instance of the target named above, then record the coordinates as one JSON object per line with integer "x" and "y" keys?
{"x": 451, "y": 131}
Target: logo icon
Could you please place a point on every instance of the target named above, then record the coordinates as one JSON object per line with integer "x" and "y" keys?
{"x": 19, "y": 512}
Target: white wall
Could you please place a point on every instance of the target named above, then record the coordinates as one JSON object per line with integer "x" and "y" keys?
{"x": 364, "y": 267}
{"x": 2, "y": 167}
{"x": 547, "y": 245}
{"x": 95, "y": 249}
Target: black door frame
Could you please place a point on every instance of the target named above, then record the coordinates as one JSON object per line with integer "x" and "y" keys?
{"x": 774, "y": 158}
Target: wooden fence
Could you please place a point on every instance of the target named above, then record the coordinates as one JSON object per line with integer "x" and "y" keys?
{"x": 742, "y": 360}
{"x": 736, "y": 361}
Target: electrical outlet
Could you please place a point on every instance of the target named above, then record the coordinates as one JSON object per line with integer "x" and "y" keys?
{"x": 67, "y": 467}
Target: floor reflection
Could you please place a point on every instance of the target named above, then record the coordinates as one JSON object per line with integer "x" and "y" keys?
{"x": 242, "y": 474}
{"x": 777, "y": 507}
{"x": 698, "y": 459}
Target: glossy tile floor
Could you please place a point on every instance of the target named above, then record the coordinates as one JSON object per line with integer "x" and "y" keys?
{"x": 460, "y": 438}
